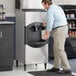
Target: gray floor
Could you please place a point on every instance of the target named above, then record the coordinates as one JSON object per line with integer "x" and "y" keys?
{"x": 72, "y": 63}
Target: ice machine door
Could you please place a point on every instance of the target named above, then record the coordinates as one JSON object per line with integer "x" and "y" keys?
{"x": 34, "y": 35}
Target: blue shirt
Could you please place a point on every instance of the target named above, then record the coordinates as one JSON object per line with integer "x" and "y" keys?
{"x": 55, "y": 17}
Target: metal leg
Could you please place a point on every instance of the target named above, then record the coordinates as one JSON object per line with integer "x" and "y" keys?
{"x": 45, "y": 65}
{"x": 16, "y": 63}
{"x": 24, "y": 67}
{"x": 36, "y": 66}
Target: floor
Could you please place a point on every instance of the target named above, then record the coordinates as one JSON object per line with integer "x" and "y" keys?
{"x": 72, "y": 64}
{"x": 20, "y": 70}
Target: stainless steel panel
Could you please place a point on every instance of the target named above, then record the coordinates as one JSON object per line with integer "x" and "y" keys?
{"x": 32, "y": 17}
{"x": 31, "y": 4}
{"x": 36, "y": 55}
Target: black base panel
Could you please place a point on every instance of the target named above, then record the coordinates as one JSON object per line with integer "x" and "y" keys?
{"x": 9, "y": 68}
{"x": 44, "y": 73}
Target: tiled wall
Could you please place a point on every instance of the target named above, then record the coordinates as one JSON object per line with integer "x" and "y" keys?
{"x": 73, "y": 2}
{"x": 9, "y": 6}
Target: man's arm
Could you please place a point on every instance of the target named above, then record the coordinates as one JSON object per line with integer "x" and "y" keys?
{"x": 49, "y": 26}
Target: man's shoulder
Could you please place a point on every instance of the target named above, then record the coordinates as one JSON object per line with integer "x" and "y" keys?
{"x": 54, "y": 6}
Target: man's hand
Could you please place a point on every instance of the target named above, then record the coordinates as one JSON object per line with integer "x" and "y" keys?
{"x": 44, "y": 23}
{"x": 46, "y": 35}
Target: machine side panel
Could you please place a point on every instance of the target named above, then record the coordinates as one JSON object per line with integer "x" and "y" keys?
{"x": 20, "y": 21}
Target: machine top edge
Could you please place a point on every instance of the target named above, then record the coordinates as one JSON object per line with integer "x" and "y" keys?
{"x": 35, "y": 10}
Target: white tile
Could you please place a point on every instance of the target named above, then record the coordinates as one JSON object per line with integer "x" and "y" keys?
{"x": 15, "y": 73}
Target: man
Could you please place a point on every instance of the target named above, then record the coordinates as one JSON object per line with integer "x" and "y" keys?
{"x": 57, "y": 23}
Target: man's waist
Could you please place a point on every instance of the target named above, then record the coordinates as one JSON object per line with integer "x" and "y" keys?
{"x": 57, "y": 27}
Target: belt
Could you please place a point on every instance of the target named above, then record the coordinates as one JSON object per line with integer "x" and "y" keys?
{"x": 57, "y": 27}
